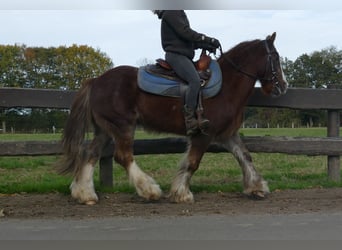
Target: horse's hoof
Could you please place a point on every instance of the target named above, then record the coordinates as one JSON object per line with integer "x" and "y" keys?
{"x": 188, "y": 198}
{"x": 257, "y": 195}
{"x": 90, "y": 203}
{"x": 155, "y": 197}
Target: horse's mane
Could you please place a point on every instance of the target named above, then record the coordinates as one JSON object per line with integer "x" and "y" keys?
{"x": 240, "y": 50}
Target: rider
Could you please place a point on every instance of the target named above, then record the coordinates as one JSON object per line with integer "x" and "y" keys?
{"x": 179, "y": 42}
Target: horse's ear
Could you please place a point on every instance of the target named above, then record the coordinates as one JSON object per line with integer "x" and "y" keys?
{"x": 271, "y": 37}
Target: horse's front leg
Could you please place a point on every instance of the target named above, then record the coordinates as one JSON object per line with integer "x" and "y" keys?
{"x": 180, "y": 188}
{"x": 253, "y": 183}
{"x": 144, "y": 184}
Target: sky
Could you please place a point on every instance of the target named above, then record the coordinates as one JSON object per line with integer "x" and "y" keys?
{"x": 130, "y": 34}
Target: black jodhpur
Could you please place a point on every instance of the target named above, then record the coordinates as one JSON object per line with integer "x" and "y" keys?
{"x": 185, "y": 69}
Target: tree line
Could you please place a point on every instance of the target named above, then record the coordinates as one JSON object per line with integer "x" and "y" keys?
{"x": 55, "y": 67}
{"x": 60, "y": 67}
{"x": 66, "y": 67}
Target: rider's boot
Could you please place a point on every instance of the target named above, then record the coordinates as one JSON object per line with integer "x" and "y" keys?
{"x": 203, "y": 123}
{"x": 191, "y": 123}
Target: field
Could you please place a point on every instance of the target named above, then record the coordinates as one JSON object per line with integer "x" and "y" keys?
{"x": 217, "y": 173}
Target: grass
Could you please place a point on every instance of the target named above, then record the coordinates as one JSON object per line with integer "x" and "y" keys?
{"x": 140, "y": 134}
{"x": 296, "y": 132}
{"x": 30, "y": 137}
{"x": 217, "y": 172}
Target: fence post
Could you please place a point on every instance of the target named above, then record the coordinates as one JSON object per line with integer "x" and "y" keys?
{"x": 4, "y": 127}
{"x": 333, "y": 131}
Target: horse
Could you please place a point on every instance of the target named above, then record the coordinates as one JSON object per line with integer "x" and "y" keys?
{"x": 113, "y": 105}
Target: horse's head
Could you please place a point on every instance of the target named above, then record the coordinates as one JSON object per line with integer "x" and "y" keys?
{"x": 271, "y": 76}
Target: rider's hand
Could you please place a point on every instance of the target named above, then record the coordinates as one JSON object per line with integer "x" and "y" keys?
{"x": 206, "y": 46}
{"x": 212, "y": 42}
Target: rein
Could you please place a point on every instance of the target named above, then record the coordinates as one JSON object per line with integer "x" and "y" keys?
{"x": 255, "y": 77}
{"x": 236, "y": 67}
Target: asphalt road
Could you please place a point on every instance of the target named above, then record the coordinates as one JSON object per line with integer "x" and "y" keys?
{"x": 252, "y": 227}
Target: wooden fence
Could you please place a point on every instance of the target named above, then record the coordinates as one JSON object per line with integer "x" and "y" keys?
{"x": 324, "y": 99}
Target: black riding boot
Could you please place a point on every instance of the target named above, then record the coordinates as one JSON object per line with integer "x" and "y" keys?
{"x": 203, "y": 123}
{"x": 194, "y": 126}
{"x": 191, "y": 123}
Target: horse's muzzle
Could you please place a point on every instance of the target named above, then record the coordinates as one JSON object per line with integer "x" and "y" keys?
{"x": 279, "y": 88}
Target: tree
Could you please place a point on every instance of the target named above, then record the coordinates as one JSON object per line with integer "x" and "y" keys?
{"x": 77, "y": 63}
{"x": 11, "y": 66}
{"x": 62, "y": 67}
{"x": 287, "y": 66}
{"x": 317, "y": 70}
{"x": 38, "y": 67}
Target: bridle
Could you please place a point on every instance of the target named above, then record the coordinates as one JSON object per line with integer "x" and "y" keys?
{"x": 274, "y": 75}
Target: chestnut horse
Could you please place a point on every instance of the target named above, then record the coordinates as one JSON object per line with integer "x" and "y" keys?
{"x": 113, "y": 104}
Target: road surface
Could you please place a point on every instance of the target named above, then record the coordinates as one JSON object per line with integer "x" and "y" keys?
{"x": 308, "y": 226}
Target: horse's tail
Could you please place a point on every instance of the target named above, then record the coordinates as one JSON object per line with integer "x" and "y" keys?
{"x": 77, "y": 124}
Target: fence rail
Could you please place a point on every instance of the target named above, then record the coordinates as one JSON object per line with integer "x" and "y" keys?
{"x": 296, "y": 98}
{"x": 324, "y": 99}
{"x": 270, "y": 144}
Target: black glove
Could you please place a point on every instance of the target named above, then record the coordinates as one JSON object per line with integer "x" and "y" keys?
{"x": 212, "y": 42}
{"x": 206, "y": 46}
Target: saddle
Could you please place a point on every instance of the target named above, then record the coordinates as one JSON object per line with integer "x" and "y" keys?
{"x": 164, "y": 69}
{"x": 155, "y": 79}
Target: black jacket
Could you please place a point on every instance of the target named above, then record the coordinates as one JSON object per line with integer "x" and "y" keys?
{"x": 176, "y": 34}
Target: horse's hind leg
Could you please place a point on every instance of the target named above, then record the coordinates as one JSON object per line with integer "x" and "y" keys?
{"x": 82, "y": 187}
{"x": 180, "y": 188}
{"x": 254, "y": 185}
{"x": 145, "y": 185}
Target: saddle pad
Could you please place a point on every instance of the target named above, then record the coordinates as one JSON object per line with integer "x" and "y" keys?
{"x": 163, "y": 86}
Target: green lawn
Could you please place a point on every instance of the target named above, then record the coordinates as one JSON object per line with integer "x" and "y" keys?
{"x": 217, "y": 172}
{"x": 292, "y": 132}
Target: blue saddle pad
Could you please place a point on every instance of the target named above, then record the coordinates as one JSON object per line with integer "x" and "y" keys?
{"x": 159, "y": 85}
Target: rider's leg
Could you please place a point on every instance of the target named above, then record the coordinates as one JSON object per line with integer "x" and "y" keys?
{"x": 185, "y": 69}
